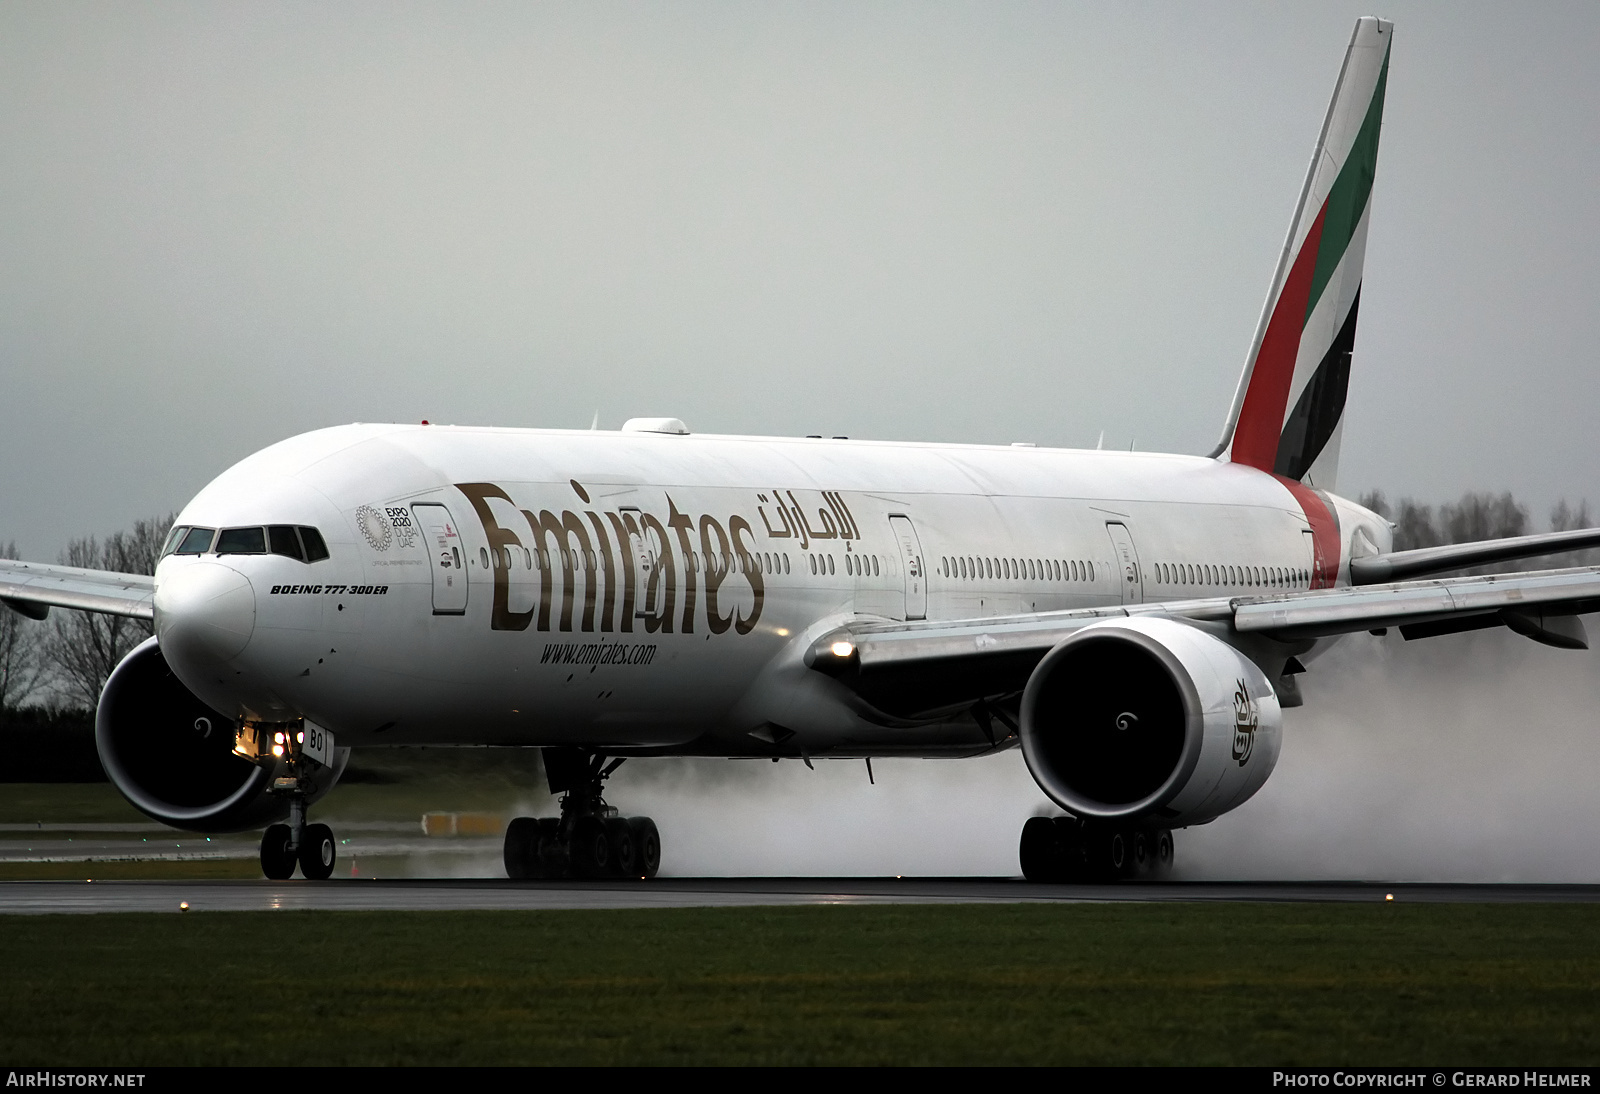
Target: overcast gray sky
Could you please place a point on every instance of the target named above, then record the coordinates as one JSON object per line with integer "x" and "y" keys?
{"x": 223, "y": 224}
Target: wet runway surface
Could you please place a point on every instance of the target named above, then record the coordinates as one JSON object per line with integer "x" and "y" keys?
{"x": 55, "y": 897}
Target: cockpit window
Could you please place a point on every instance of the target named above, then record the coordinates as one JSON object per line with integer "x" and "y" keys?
{"x": 174, "y": 538}
{"x": 241, "y": 541}
{"x": 197, "y": 541}
{"x": 283, "y": 541}
{"x": 316, "y": 550}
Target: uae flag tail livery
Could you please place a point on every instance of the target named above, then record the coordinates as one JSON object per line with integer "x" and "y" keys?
{"x": 1289, "y": 409}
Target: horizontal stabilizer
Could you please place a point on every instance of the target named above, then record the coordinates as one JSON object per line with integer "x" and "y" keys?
{"x": 1403, "y": 565}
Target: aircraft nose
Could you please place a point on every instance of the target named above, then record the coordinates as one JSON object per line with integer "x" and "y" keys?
{"x": 204, "y": 612}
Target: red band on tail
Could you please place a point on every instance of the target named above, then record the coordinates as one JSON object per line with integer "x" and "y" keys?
{"x": 1255, "y": 439}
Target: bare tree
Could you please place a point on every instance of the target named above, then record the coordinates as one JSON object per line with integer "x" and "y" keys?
{"x": 20, "y": 662}
{"x": 1483, "y": 516}
{"x": 84, "y": 647}
{"x": 1414, "y": 523}
{"x": 1565, "y": 518}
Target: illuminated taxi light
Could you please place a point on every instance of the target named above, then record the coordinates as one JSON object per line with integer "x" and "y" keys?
{"x": 299, "y": 738}
{"x": 842, "y": 648}
{"x": 277, "y": 750}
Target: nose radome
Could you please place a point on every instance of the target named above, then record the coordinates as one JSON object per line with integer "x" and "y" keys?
{"x": 204, "y": 611}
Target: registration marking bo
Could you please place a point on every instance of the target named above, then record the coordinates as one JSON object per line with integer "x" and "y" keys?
{"x": 317, "y": 744}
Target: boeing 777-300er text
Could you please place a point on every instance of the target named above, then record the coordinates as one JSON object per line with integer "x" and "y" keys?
{"x": 1135, "y": 622}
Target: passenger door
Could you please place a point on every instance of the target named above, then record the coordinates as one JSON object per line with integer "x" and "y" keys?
{"x": 905, "y": 535}
{"x": 1129, "y": 579}
{"x": 447, "y": 557}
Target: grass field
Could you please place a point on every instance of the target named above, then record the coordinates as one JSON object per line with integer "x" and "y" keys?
{"x": 1115, "y": 984}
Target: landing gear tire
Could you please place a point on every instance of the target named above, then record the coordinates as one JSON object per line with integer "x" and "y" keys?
{"x": 647, "y": 841}
{"x": 1164, "y": 852}
{"x": 591, "y": 848}
{"x": 1038, "y": 852}
{"x": 1111, "y": 855}
{"x": 521, "y": 854}
{"x": 1142, "y": 861}
{"x": 277, "y": 861}
{"x": 624, "y": 850}
{"x": 1066, "y": 849}
{"x": 318, "y": 852}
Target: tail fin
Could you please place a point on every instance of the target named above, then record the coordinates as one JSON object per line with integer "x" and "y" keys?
{"x": 1288, "y": 412}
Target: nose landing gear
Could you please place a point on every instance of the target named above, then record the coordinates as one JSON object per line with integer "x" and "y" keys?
{"x": 1067, "y": 849}
{"x": 310, "y": 846}
{"x": 285, "y": 846}
{"x": 589, "y": 839}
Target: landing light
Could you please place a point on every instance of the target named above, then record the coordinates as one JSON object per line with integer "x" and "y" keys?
{"x": 842, "y": 649}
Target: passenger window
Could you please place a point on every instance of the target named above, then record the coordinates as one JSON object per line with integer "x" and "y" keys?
{"x": 197, "y": 541}
{"x": 242, "y": 541}
{"x": 283, "y": 541}
{"x": 830, "y": 564}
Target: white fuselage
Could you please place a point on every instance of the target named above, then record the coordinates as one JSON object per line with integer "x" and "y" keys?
{"x": 651, "y": 592}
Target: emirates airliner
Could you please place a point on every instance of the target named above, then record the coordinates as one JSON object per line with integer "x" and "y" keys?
{"x": 1135, "y": 622}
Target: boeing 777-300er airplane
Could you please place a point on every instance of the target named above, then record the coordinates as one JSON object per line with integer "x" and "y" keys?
{"x": 1135, "y": 622}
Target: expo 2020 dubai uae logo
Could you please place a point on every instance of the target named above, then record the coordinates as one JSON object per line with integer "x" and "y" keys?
{"x": 375, "y": 527}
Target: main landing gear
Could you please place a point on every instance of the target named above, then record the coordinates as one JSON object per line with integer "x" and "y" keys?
{"x": 589, "y": 839}
{"x": 1071, "y": 849}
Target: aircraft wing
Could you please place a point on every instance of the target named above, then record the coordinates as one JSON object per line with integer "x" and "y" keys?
{"x": 33, "y": 588}
{"x": 914, "y": 668}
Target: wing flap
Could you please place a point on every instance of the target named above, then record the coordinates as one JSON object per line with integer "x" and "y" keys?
{"x": 32, "y": 588}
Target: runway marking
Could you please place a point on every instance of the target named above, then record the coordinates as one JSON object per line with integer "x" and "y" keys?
{"x": 355, "y": 894}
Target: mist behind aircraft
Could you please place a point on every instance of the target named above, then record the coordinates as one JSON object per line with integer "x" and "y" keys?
{"x": 1463, "y": 758}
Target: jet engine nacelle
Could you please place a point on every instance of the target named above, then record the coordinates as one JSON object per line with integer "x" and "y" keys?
{"x": 1137, "y": 718}
{"x": 172, "y": 756}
